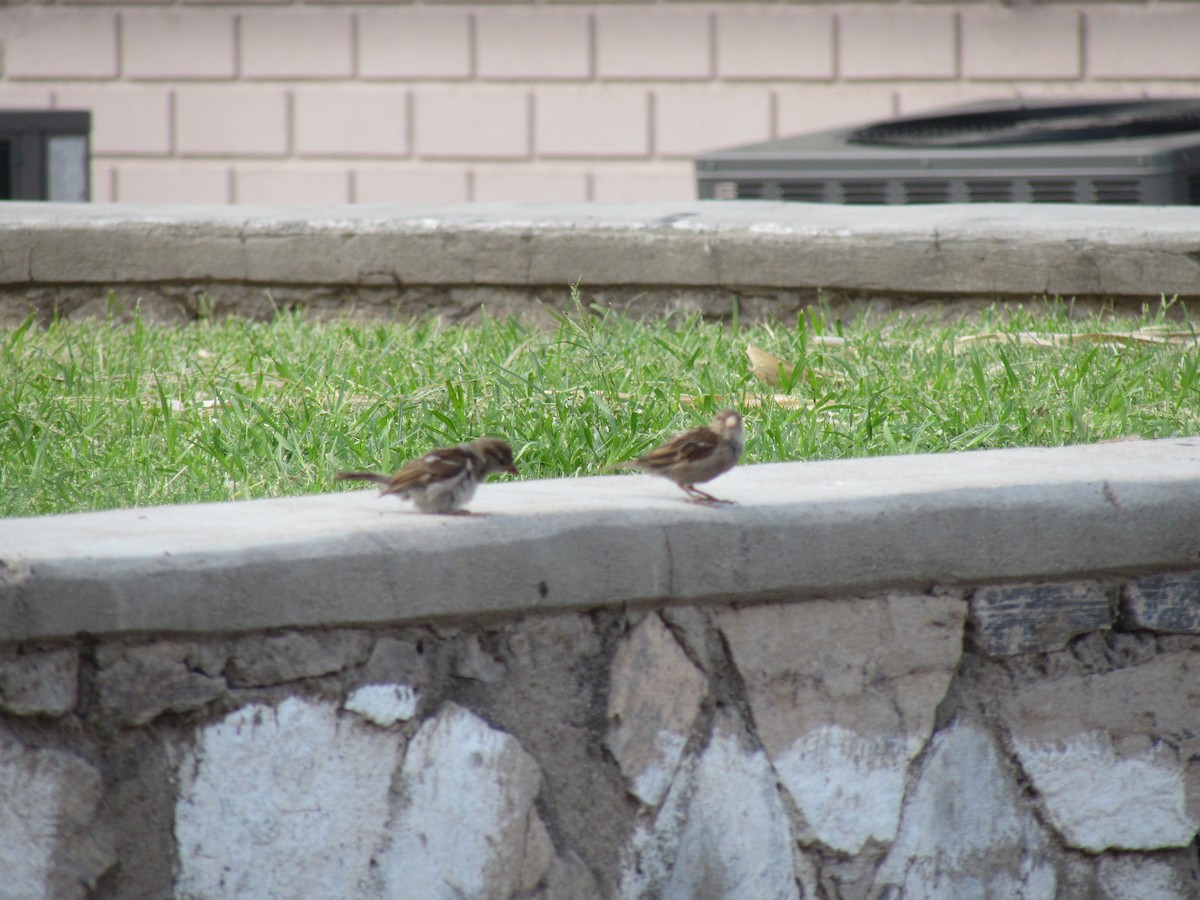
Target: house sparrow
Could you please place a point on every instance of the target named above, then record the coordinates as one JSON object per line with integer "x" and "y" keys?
{"x": 696, "y": 456}
{"x": 443, "y": 480}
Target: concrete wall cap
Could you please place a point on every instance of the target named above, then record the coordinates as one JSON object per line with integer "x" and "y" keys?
{"x": 994, "y": 250}
{"x": 799, "y": 530}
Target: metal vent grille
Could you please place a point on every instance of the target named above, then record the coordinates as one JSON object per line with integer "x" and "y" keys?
{"x": 1116, "y": 190}
{"x": 750, "y": 190}
{"x": 1025, "y": 124}
{"x": 930, "y": 191}
{"x": 1117, "y": 152}
{"x": 872, "y": 191}
{"x": 1052, "y": 190}
{"x": 812, "y": 191}
{"x": 989, "y": 190}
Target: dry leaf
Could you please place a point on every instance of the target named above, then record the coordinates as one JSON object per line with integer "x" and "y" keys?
{"x": 767, "y": 367}
{"x": 1032, "y": 339}
{"x": 752, "y": 401}
{"x": 826, "y": 340}
{"x": 784, "y": 401}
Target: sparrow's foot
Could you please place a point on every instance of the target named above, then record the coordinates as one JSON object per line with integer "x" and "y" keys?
{"x": 698, "y": 496}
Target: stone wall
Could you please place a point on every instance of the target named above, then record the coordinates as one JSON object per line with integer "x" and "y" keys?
{"x": 1019, "y": 740}
{"x": 753, "y": 259}
{"x": 963, "y": 675}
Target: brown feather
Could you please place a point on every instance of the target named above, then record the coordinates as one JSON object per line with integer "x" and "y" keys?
{"x": 436, "y": 465}
{"x": 691, "y": 445}
{"x": 695, "y": 456}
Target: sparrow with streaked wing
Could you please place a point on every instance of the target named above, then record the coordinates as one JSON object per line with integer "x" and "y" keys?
{"x": 443, "y": 480}
{"x": 696, "y": 456}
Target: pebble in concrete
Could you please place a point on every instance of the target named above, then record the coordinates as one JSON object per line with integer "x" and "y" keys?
{"x": 721, "y": 832}
{"x": 844, "y": 694}
{"x": 50, "y": 844}
{"x": 963, "y": 832}
{"x": 467, "y": 826}
{"x": 286, "y": 801}
{"x": 653, "y": 700}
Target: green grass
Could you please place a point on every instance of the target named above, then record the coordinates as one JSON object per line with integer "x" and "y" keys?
{"x": 96, "y": 415}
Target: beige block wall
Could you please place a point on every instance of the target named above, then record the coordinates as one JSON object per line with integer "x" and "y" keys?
{"x": 441, "y": 102}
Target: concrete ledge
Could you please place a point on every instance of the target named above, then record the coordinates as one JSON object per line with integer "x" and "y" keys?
{"x": 58, "y": 255}
{"x": 799, "y": 530}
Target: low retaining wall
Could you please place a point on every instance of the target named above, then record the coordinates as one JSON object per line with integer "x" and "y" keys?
{"x": 964, "y": 675}
{"x": 715, "y": 257}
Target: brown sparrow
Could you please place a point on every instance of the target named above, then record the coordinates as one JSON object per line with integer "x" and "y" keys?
{"x": 443, "y": 480}
{"x": 696, "y": 456}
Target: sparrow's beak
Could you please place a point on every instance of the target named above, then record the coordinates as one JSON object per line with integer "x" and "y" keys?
{"x": 511, "y": 470}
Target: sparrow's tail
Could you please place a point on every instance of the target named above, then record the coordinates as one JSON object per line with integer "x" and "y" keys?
{"x": 374, "y": 477}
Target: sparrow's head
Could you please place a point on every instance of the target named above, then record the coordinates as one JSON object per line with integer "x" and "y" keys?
{"x": 495, "y": 456}
{"x": 727, "y": 421}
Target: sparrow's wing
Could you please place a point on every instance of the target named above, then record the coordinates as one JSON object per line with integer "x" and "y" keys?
{"x": 690, "y": 446}
{"x": 437, "y": 465}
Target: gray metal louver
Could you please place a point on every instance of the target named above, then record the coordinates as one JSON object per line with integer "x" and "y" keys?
{"x": 1118, "y": 151}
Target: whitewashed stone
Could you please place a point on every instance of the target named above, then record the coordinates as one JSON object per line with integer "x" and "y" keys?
{"x": 722, "y": 831}
{"x": 964, "y": 833}
{"x": 844, "y": 695}
{"x": 283, "y": 802}
{"x": 849, "y": 788}
{"x": 384, "y": 704}
{"x": 653, "y": 701}
{"x": 1129, "y": 877}
{"x": 736, "y": 842}
{"x": 1131, "y": 730}
{"x": 50, "y": 845}
{"x": 1098, "y": 800}
{"x": 467, "y": 826}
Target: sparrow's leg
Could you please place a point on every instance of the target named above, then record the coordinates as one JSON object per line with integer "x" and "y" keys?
{"x": 700, "y": 497}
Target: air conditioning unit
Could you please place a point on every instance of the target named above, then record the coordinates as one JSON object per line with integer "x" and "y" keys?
{"x": 45, "y": 155}
{"x": 1117, "y": 151}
